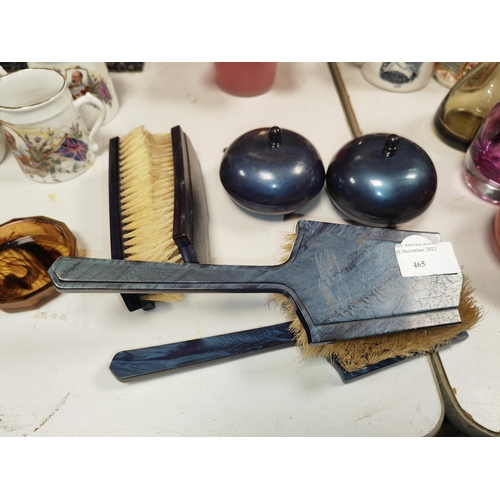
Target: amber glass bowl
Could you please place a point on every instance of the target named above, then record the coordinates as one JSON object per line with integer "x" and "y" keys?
{"x": 28, "y": 247}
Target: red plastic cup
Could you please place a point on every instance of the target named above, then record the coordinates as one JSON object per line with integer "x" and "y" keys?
{"x": 245, "y": 79}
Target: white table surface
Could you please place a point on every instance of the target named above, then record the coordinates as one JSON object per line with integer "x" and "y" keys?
{"x": 54, "y": 376}
{"x": 471, "y": 367}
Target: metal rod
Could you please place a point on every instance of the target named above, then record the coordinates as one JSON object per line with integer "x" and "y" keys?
{"x": 345, "y": 100}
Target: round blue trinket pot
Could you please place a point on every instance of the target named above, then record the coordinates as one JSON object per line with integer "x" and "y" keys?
{"x": 381, "y": 180}
{"x": 272, "y": 171}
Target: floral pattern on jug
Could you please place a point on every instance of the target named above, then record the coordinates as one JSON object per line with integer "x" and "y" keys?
{"x": 50, "y": 155}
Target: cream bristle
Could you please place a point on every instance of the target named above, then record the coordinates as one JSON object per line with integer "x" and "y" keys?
{"x": 147, "y": 200}
{"x": 353, "y": 355}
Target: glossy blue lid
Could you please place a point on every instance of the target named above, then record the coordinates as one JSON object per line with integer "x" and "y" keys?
{"x": 272, "y": 171}
{"x": 381, "y": 180}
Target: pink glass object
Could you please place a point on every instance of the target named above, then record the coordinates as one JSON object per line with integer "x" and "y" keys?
{"x": 482, "y": 159}
{"x": 245, "y": 79}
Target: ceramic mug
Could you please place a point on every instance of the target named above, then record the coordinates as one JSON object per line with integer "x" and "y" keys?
{"x": 43, "y": 126}
{"x": 87, "y": 77}
{"x": 398, "y": 76}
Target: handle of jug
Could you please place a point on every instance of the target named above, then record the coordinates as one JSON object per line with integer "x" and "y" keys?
{"x": 88, "y": 98}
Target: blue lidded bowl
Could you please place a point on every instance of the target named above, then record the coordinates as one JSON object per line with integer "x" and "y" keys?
{"x": 272, "y": 171}
{"x": 381, "y": 180}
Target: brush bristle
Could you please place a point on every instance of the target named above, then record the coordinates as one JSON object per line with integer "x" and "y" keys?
{"x": 353, "y": 355}
{"x": 147, "y": 200}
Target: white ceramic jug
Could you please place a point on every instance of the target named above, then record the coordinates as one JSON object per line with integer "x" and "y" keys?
{"x": 43, "y": 127}
{"x": 87, "y": 77}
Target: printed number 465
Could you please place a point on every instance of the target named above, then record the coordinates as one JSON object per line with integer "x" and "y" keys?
{"x": 419, "y": 264}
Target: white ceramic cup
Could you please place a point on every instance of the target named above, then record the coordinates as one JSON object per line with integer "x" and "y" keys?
{"x": 43, "y": 127}
{"x": 87, "y": 77}
{"x": 398, "y": 76}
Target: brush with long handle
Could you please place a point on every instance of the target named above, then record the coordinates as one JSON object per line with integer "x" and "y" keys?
{"x": 352, "y": 359}
{"x": 344, "y": 282}
{"x": 148, "y": 360}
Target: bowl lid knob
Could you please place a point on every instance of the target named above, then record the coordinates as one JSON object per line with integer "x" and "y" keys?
{"x": 275, "y": 137}
{"x": 391, "y": 145}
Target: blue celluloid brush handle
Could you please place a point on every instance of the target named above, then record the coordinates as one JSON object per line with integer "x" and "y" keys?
{"x": 147, "y": 360}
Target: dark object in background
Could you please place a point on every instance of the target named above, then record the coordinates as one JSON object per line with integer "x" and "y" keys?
{"x": 112, "y": 66}
{"x": 125, "y": 66}
{"x": 13, "y": 66}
